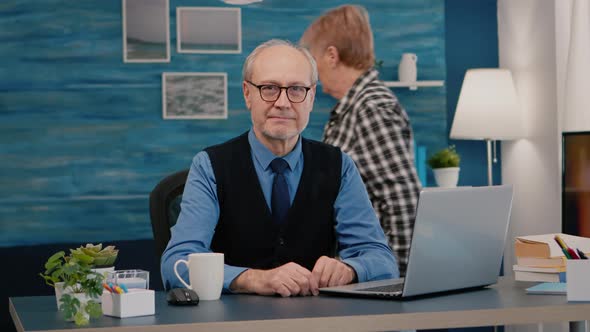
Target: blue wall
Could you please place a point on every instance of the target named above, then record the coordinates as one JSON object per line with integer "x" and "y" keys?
{"x": 82, "y": 138}
{"x": 471, "y": 42}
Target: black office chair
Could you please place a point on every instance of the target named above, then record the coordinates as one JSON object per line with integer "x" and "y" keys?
{"x": 165, "y": 207}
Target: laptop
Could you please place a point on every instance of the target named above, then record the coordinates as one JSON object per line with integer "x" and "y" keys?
{"x": 457, "y": 244}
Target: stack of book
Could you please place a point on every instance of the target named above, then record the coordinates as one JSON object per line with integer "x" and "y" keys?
{"x": 540, "y": 258}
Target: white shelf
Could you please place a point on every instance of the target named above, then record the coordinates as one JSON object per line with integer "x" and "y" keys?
{"x": 413, "y": 85}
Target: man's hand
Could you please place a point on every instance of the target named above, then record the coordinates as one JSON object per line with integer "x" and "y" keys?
{"x": 329, "y": 272}
{"x": 290, "y": 279}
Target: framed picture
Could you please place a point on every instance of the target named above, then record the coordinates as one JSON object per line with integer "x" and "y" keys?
{"x": 194, "y": 95}
{"x": 146, "y": 31}
{"x": 208, "y": 30}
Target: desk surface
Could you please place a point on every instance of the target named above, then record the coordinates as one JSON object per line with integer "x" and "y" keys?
{"x": 501, "y": 304}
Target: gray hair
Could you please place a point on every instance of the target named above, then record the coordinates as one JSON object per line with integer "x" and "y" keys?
{"x": 247, "y": 69}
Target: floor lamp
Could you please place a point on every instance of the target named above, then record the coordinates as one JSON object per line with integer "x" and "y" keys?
{"x": 487, "y": 109}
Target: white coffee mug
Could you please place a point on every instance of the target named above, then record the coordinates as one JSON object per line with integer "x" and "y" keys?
{"x": 205, "y": 272}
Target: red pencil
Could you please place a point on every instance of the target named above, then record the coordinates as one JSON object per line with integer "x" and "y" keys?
{"x": 107, "y": 287}
{"x": 573, "y": 253}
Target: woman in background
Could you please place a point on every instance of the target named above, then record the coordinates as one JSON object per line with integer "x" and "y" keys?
{"x": 368, "y": 122}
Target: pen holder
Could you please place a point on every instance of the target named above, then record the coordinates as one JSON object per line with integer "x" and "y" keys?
{"x": 578, "y": 275}
{"x": 137, "y": 302}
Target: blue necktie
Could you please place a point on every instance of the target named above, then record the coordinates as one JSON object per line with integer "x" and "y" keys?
{"x": 280, "y": 200}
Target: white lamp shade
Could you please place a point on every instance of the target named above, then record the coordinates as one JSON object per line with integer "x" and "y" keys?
{"x": 488, "y": 107}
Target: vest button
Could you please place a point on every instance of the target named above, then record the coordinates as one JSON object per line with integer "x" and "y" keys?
{"x": 281, "y": 241}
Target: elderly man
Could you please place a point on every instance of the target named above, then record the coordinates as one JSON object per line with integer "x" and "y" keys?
{"x": 368, "y": 122}
{"x": 277, "y": 205}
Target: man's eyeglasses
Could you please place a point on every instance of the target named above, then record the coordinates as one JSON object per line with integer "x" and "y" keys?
{"x": 272, "y": 92}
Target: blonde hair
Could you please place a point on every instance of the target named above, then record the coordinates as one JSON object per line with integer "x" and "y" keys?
{"x": 247, "y": 68}
{"x": 348, "y": 29}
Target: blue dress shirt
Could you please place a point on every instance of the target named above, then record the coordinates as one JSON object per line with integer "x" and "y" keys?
{"x": 361, "y": 240}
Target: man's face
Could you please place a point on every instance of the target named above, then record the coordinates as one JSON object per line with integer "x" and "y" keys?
{"x": 281, "y": 120}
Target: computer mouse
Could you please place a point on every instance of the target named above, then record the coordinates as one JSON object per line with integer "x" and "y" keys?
{"x": 182, "y": 296}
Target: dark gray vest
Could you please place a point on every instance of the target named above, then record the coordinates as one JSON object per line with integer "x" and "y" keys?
{"x": 245, "y": 232}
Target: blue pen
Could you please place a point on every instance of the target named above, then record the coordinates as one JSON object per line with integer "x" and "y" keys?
{"x": 124, "y": 288}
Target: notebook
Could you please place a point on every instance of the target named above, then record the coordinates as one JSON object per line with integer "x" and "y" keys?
{"x": 548, "y": 288}
{"x": 457, "y": 244}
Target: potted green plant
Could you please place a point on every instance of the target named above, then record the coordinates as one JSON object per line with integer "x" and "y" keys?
{"x": 77, "y": 287}
{"x": 445, "y": 166}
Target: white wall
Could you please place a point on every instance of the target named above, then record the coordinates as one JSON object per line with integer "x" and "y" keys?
{"x": 573, "y": 63}
{"x": 527, "y": 46}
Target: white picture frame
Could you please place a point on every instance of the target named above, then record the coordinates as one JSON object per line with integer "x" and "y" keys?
{"x": 146, "y": 31}
{"x": 209, "y": 30}
{"x": 194, "y": 95}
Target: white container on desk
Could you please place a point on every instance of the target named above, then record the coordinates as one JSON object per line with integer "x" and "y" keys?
{"x": 130, "y": 278}
{"x": 137, "y": 302}
{"x": 578, "y": 279}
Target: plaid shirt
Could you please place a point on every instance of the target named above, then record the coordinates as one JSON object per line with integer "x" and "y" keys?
{"x": 370, "y": 125}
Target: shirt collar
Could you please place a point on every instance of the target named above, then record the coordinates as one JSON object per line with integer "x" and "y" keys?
{"x": 359, "y": 85}
{"x": 264, "y": 156}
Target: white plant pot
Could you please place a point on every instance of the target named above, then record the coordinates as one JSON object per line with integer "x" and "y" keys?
{"x": 59, "y": 290}
{"x": 447, "y": 177}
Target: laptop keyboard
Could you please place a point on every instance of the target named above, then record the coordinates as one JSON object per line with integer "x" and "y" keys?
{"x": 386, "y": 288}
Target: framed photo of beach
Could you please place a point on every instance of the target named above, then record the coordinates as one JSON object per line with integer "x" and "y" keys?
{"x": 208, "y": 30}
{"x": 146, "y": 31}
{"x": 194, "y": 95}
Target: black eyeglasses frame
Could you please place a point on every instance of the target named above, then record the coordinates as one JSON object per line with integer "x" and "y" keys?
{"x": 286, "y": 88}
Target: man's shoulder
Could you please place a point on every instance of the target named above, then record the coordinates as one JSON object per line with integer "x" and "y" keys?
{"x": 227, "y": 144}
{"x": 319, "y": 145}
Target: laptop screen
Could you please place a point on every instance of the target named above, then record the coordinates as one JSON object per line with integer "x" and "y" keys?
{"x": 458, "y": 240}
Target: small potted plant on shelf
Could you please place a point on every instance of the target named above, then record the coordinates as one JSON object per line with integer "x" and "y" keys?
{"x": 77, "y": 287}
{"x": 378, "y": 64}
{"x": 445, "y": 166}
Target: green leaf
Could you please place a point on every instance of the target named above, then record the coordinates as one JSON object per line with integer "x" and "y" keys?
{"x": 93, "y": 309}
{"x": 101, "y": 261}
{"x": 89, "y": 251}
{"x": 52, "y": 265}
{"x": 54, "y": 260}
{"x": 108, "y": 248}
{"x": 80, "y": 319}
{"x": 49, "y": 280}
{"x": 56, "y": 275}
{"x": 69, "y": 305}
{"x": 71, "y": 268}
{"x": 86, "y": 259}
